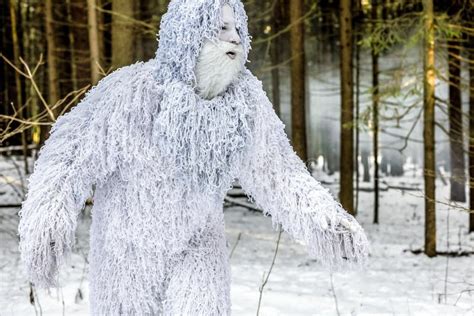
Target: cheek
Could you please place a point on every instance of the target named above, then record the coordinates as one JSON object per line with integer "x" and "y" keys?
{"x": 224, "y": 36}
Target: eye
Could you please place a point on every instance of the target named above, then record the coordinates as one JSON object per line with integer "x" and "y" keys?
{"x": 224, "y": 28}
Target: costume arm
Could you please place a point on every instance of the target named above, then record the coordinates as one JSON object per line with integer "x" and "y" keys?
{"x": 82, "y": 150}
{"x": 279, "y": 183}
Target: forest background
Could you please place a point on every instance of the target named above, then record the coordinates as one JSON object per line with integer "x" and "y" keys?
{"x": 377, "y": 96}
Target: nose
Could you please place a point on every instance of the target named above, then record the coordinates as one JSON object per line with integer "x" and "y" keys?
{"x": 235, "y": 38}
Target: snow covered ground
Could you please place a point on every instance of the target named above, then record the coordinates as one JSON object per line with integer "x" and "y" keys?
{"x": 396, "y": 282}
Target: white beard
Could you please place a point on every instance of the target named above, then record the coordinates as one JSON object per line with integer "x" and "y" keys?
{"x": 215, "y": 70}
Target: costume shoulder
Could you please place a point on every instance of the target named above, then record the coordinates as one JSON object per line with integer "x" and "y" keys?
{"x": 126, "y": 89}
{"x": 255, "y": 97}
{"x": 251, "y": 88}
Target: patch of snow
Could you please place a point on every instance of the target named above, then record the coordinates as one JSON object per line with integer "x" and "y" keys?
{"x": 396, "y": 281}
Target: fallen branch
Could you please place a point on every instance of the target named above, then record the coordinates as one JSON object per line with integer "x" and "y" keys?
{"x": 237, "y": 202}
{"x": 458, "y": 253}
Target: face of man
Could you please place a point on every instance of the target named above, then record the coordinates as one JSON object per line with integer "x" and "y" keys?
{"x": 228, "y": 31}
{"x": 220, "y": 61}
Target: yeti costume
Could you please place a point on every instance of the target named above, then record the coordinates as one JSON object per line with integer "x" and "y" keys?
{"x": 161, "y": 159}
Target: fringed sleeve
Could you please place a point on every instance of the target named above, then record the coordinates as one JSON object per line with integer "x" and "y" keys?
{"x": 82, "y": 150}
{"x": 277, "y": 180}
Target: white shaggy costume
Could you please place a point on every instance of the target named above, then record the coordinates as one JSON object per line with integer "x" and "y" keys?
{"x": 161, "y": 159}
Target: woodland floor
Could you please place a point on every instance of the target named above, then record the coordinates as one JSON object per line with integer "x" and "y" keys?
{"x": 396, "y": 281}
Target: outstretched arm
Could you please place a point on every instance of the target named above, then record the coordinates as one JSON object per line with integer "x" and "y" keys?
{"x": 278, "y": 181}
{"x": 82, "y": 150}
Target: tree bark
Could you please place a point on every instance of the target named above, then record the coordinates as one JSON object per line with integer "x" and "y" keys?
{"x": 364, "y": 156}
{"x": 347, "y": 107}
{"x": 72, "y": 48}
{"x": 375, "y": 115}
{"x": 458, "y": 177}
{"x": 357, "y": 113}
{"x": 275, "y": 56}
{"x": 471, "y": 134}
{"x": 429, "y": 130}
{"x": 53, "y": 89}
{"x": 122, "y": 33}
{"x": 298, "y": 65}
{"x": 18, "y": 83}
{"x": 93, "y": 40}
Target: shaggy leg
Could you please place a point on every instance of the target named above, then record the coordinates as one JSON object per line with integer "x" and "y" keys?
{"x": 200, "y": 278}
{"x": 128, "y": 282}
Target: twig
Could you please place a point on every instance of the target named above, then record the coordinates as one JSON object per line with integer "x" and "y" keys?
{"x": 36, "y": 299}
{"x": 461, "y": 293}
{"x": 62, "y": 301}
{"x": 35, "y": 86}
{"x": 269, "y": 272}
{"x": 333, "y": 290}
{"x": 235, "y": 245}
{"x": 447, "y": 260}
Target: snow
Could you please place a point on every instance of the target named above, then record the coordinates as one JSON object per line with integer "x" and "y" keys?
{"x": 396, "y": 281}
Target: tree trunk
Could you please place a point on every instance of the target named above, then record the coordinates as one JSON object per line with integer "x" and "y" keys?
{"x": 471, "y": 134}
{"x": 429, "y": 130}
{"x": 364, "y": 156}
{"x": 33, "y": 45}
{"x": 458, "y": 177}
{"x": 357, "y": 112}
{"x": 122, "y": 33}
{"x": 456, "y": 137}
{"x": 53, "y": 90}
{"x": 79, "y": 15}
{"x": 375, "y": 115}
{"x": 18, "y": 83}
{"x": 93, "y": 40}
{"x": 298, "y": 65}
{"x": 4, "y": 11}
{"x": 347, "y": 105}
{"x": 72, "y": 47}
{"x": 275, "y": 56}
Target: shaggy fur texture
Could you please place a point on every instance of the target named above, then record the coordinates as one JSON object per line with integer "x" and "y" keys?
{"x": 161, "y": 159}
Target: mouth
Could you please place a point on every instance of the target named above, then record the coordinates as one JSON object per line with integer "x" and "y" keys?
{"x": 232, "y": 54}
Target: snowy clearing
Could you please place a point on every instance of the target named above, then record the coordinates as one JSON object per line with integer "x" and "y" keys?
{"x": 396, "y": 282}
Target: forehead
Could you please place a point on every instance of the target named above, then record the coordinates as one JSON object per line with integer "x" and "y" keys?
{"x": 227, "y": 13}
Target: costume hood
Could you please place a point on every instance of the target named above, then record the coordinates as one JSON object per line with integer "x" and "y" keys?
{"x": 183, "y": 30}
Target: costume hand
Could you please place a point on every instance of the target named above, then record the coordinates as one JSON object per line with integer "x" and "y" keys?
{"x": 42, "y": 265}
